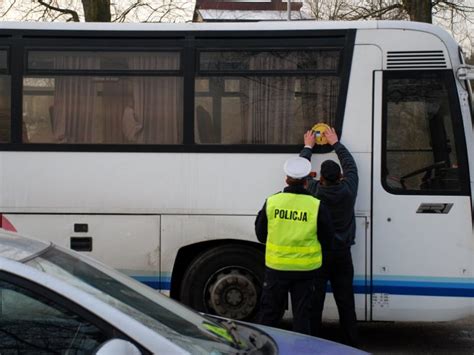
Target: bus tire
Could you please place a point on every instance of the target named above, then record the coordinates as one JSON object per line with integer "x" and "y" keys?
{"x": 225, "y": 281}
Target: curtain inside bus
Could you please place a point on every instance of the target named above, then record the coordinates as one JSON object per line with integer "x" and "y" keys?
{"x": 269, "y": 107}
{"x": 265, "y": 97}
{"x": 154, "y": 104}
{"x": 85, "y": 108}
{"x": 73, "y": 111}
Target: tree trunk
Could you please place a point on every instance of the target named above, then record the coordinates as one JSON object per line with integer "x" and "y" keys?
{"x": 419, "y": 10}
{"x": 97, "y": 10}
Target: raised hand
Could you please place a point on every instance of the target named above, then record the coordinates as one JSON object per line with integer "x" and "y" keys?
{"x": 309, "y": 139}
{"x": 331, "y": 136}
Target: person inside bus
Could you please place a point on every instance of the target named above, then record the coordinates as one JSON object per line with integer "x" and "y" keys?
{"x": 293, "y": 224}
{"x": 339, "y": 193}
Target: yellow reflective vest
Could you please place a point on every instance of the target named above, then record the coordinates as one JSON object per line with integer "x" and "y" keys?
{"x": 292, "y": 242}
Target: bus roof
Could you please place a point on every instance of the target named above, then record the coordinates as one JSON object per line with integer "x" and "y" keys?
{"x": 227, "y": 26}
{"x": 437, "y": 31}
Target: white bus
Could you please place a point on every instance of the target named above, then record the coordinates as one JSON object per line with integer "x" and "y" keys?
{"x": 152, "y": 147}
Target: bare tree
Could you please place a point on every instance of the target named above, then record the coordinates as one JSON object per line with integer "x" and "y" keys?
{"x": 414, "y": 10}
{"x": 156, "y": 11}
{"x": 53, "y": 7}
{"x": 329, "y": 10}
{"x": 457, "y": 16}
{"x": 419, "y": 10}
{"x": 98, "y": 10}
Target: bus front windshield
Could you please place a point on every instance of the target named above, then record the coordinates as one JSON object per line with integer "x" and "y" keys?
{"x": 175, "y": 322}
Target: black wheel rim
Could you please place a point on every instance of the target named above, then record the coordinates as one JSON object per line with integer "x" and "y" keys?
{"x": 232, "y": 292}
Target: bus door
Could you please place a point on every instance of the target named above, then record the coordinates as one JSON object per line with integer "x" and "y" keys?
{"x": 421, "y": 214}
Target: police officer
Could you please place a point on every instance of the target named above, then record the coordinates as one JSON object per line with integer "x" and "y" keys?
{"x": 339, "y": 194}
{"x": 293, "y": 224}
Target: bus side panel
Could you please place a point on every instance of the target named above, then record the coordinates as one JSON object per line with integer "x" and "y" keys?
{"x": 393, "y": 307}
{"x": 128, "y": 243}
{"x": 138, "y": 183}
{"x": 178, "y": 231}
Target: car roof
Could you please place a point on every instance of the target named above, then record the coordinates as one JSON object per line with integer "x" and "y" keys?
{"x": 16, "y": 247}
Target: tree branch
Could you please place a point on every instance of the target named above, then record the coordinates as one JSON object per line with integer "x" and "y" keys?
{"x": 28, "y": 13}
{"x": 124, "y": 14}
{"x": 363, "y": 13}
{"x": 456, "y": 7}
{"x": 9, "y": 8}
{"x": 74, "y": 15}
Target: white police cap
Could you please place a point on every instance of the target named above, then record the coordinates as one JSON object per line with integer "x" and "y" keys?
{"x": 297, "y": 168}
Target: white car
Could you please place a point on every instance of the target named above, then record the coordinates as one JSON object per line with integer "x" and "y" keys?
{"x": 53, "y": 300}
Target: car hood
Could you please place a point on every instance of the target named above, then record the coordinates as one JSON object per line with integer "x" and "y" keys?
{"x": 296, "y": 343}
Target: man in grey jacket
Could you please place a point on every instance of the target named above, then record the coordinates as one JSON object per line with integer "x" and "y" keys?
{"x": 339, "y": 193}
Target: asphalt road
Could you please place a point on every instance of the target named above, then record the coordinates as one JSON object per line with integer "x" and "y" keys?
{"x": 394, "y": 338}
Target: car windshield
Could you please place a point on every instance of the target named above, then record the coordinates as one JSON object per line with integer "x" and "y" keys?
{"x": 172, "y": 320}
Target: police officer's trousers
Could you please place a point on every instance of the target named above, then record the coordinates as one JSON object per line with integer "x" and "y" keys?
{"x": 275, "y": 298}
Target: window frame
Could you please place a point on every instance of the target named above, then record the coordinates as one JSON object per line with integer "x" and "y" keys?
{"x": 99, "y": 72}
{"x": 448, "y": 79}
{"x": 342, "y": 40}
{"x": 7, "y": 72}
{"x": 287, "y": 72}
{"x": 51, "y": 73}
{"x": 189, "y": 42}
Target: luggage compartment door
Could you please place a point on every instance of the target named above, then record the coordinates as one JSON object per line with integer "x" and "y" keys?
{"x": 130, "y": 243}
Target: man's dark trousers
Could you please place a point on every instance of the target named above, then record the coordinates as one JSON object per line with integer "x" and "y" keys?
{"x": 275, "y": 297}
{"x": 337, "y": 268}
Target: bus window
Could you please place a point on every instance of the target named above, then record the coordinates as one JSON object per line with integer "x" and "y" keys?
{"x": 420, "y": 145}
{"x": 83, "y": 98}
{"x": 264, "y": 97}
{"x": 116, "y": 60}
{"x": 5, "y": 98}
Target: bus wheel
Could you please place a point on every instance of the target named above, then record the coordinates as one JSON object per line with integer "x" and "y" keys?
{"x": 225, "y": 281}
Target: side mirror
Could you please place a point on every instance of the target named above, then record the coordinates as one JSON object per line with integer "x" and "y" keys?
{"x": 117, "y": 347}
{"x": 465, "y": 72}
